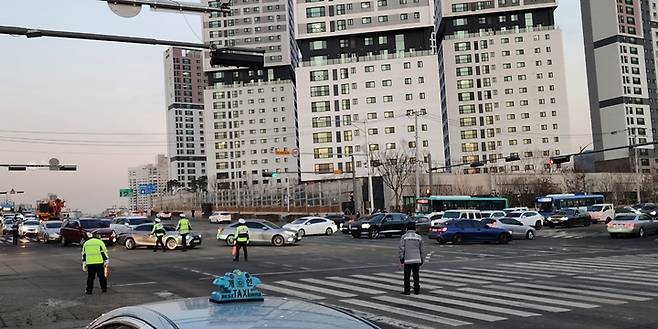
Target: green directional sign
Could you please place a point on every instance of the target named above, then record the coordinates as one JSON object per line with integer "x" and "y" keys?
{"x": 125, "y": 192}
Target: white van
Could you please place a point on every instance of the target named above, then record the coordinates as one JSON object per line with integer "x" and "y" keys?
{"x": 457, "y": 214}
{"x": 601, "y": 212}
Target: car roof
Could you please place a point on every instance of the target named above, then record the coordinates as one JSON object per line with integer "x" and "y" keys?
{"x": 272, "y": 312}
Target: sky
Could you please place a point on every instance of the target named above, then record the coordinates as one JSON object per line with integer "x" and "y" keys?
{"x": 112, "y": 94}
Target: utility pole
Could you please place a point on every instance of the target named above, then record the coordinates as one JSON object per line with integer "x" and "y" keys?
{"x": 637, "y": 175}
{"x": 429, "y": 165}
{"x": 416, "y": 114}
{"x": 370, "y": 190}
{"x": 354, "y": 181}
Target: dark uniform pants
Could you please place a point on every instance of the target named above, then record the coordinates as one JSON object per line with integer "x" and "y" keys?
{"x": 239, "y": 245}
{"x": 14, "y": 237}
{"x": 158, "y": 242}
{"x": 184, "y": 238}
{"x": 408, "y": 268}
{"x": 99, "y": 271}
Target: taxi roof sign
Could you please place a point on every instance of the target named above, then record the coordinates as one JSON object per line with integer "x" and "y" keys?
{"x": 236, "y": 286}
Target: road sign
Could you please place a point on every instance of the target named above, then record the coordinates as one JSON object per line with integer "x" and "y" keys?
{"x": 125, "y": 192}
{"x": 282, "y": 152}
{"x": 146, "y": 189}
{"x": 294, "y": 152}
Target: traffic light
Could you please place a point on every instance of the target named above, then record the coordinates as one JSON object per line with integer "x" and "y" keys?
{"x": 559, "y": 159}
{"x": 232, "y": 56}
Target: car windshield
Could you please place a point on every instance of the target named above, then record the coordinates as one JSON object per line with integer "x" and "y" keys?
{"x": 31, "y": 222}
{"x": 595, "y": 208}
{"x": 9, "y": 221}
{"x": 270, "y": 224}
{"x": 137, "y": 221}
{"x": 566, "y": 212}
{"x": 514, "y": 214}
{"x": 53, "y": 225}
{"x": 451, "y": 214}
{"x": 376, "y": 218}
{"x": 624, "y": 218}
{"x": 299, "y": 221}
{"x": 94, "y": 223}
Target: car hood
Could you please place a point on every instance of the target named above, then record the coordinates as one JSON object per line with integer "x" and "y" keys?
{"x": 30, "y": 226}
{"x": 101, "y": 231}
{"x": 53, "y": 230}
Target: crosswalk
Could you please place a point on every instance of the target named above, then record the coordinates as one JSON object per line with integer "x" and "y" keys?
{"x": 468, "y": 295}
{"x": 569, "y": 234}
{"x": 7, "y": 240}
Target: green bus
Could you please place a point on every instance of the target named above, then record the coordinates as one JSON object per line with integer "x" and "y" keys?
{"x": 439, "y": 203}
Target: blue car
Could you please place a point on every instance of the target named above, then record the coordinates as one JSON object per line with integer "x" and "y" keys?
{"x": 465, "y": 230}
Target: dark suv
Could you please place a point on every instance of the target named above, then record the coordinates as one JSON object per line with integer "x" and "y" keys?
{"x": 77, "y": 230}
{"x": 377, "y": 224}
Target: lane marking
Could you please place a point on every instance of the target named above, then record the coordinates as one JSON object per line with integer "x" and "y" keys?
{"x": 364, "y": 283}
{"x": 409, "y": 313}
{"x": 581, "y": 291}
{"x": 507, "y": 302}
{"x": 466, "y": 275}
{"x": 644, "y": 283}
{"x": 609, "y": 289}
{"x": 322, "y": 270}
{"x": 442, "y": 309}
{"x": 561, "y": 295}
{"x": 512, "y": 273}
{"x": 579, "y": 268}
{"x": 397, "y": 282}
{"x": 437, "y": 282}
{"x": 316, "y": 289}
{"x": 290, "y": 292}
{"x": 587, "y": 267}
{"x": 134, "y": 284}
{"x": 345, "y": 286}
{"x": 548, "y": 268}
{"x": 496, "y": 309}
{"x": 531, "y": 298}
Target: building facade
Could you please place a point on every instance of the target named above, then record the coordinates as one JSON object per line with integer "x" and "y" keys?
{"x": 184, "y": 86}
{"x": 621, "y": 58}
{"x": 157, "y": 173}
{"x": 367, "y": 69}
{"x": 252, "y": 112}
{"x": 502, "y": 84}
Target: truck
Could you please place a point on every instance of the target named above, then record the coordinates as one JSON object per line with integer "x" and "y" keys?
{"x": 50, "y": 208}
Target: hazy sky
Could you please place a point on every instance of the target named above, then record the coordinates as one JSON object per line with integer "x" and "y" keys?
{"x": 107, "y": 92}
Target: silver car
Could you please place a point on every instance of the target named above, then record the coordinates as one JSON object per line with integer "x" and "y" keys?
{"x": 260, "y": 232}
{"x": 632, "y": 224}
{"x": 49, "y": 231}
{"x": 6, "y": 225}
{"x": 28, "y": 228}
{"x": 141, "y": 236}
{"x": 125, "y": 224}
{"x": 515, "y": 227}
{"x": 201, "y": 313}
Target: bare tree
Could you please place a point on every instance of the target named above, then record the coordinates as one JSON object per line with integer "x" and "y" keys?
{"x": 395, "y": 167}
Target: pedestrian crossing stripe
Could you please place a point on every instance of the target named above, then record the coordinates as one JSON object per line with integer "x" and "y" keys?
{"x": 531, "y": 298}
{"x": 625, "y": 281}
{"x": 345, "y": 286}
{"x": 473, "y": 305}
{"x": 507, "y": 302}
{"x": 515, "y": 274}
{"x": 444, "y": 282}
{"x": 442, "y": 309}
{"x": 410, "y": 313}
{"x": 478, "y": 278}
{"x": 559, "y": 294}
{"x": 581, "y": 291}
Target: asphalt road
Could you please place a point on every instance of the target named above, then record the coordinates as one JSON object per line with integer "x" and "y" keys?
{"x": 565, "y": 278}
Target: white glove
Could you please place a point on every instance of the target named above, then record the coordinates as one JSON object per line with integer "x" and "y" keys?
{"x": 106, "y": 263}
{"x": 84, "y": 266}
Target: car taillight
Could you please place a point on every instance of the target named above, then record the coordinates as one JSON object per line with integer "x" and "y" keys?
{"x": 493, "y": 224}
{"x": 627, "y": 225}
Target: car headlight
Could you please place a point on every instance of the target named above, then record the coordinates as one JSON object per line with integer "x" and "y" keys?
{"x": 365, "y": 226}
{"x": 564, "y": 218}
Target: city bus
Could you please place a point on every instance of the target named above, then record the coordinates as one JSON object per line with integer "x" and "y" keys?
{"x": 439, "y": 203}
{"x": 551, "y": 203}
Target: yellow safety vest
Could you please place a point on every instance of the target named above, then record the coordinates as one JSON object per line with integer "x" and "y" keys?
{"x": 184, "y": 226}
{"x": 94, "y": 252}
{"x": 242, "y": 233}
{"x": 158, "y": 230}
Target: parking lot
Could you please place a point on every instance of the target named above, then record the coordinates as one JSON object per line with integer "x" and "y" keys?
{"x": 561, "y": 279}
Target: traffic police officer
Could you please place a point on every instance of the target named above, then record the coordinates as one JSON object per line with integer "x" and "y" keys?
{"x": 94, "y": 260}
{"x": 14, "y": 232}
{"x": 184, "y": 228}
{"x": 411, "y": 256}
{"x": 241, "y": 239}
{"x": 159, "y": 232}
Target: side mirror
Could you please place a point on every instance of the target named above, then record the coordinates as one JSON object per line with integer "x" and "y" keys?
{"x": 265, "y": 228}
{"x": 126, "y": 223}
{"x": 653, "y": 213}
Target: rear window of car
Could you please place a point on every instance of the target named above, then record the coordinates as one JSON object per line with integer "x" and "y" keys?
{"x": 31, "y": 222}
{"x": 299, "y": 221}
{"x": 270, "y": 224}
{"x": 137, "y": 221}
{"x": 94, "y": 223}
{"x": 451, "y": 214}
{"x": 595, "y": 208}
{"x": 53, "y": 225}
{"x": 624, "y": 218}
{"x": 514, "y": 214}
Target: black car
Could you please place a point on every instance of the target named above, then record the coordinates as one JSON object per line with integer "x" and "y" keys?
{"x": 422, "y": 224}
{"x": 386, "y": 224}
{"x": 650, "y": 209}
{"x": 339, "y": 219}
{"x": 568, "y": 218}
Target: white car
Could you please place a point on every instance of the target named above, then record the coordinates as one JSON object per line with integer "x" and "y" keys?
{"x": 164, "y": 215}
{"x": 601, "y": 212}
{"x": 125, "y": 224}
{"x": 28, "y": 227}
{"x": 528, "y": 218}
{"x": 515, "y": 209}
{"x": 312, "y": 225}
{"x": 457, "y": 214}
{"x": 220, "y": 217}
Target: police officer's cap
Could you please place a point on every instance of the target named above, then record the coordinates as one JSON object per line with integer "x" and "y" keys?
{"x": 241, "y": 221}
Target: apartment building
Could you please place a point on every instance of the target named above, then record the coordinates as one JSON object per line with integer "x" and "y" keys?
{"x": 621, "y": 56}
{"x": 367, "y": 69}
{"x": 251, "y": 112}
{"x": 154, "y": 173}
{"x": 184, "y": 86}
{"x": 502, "y": 83}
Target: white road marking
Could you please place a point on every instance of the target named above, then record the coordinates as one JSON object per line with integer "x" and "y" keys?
{"x": 581, "y": 291}
{"x": 514, "y": 274}
{"x": 134, "y": 284}
{"x": 397, "y": 282}
{"x": 580, "y": 268}
{"x": 409, "y": 313}
{"x": 496, "y": 309}
{"x": 608, "y": 289}
{"x": 442, "y": 309}
{"x": 316, "y": 289}
{"x": 364, "y": 283}
{"x": 633, "y": 282}
{"x": 548, "y": 268}
{"x": 507, "y": 302}
{"x": 290, "y": 292}
{"x": 388, "y": 320}
{"x": 345, "y": 286}
{"x": 437, "y": 282}
{"x": 560, "y": 295}
{"x": 591, "y": 263}
{"x": 478, "y": 278}
{"x": 531, "y": 298}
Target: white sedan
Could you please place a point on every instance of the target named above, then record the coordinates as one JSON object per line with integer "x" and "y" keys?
{"x": 220, "y": 217}
{"x": 312, "y": 225}
{"x": 528, "y": 218}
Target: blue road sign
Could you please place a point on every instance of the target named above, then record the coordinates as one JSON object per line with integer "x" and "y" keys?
{"x": 146, "y": 189}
